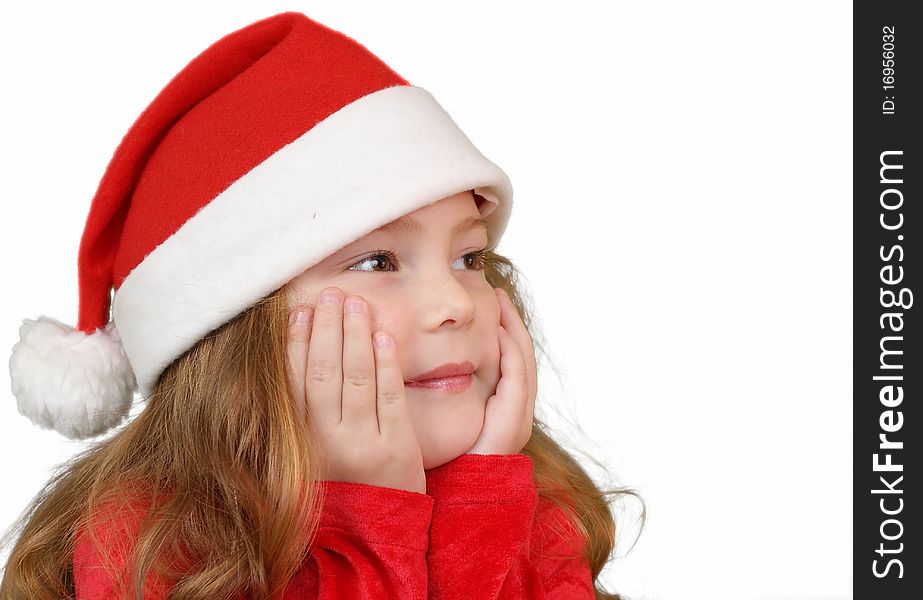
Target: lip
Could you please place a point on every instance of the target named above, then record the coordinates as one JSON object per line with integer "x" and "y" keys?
{"x": 449, "y": 372}
{"x": 456, "y": 383}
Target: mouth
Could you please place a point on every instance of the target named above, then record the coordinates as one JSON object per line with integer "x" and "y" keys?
{"x": 451, "y": 377}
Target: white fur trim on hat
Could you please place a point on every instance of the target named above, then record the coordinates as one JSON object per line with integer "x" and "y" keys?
{"x": 77, "y": 384}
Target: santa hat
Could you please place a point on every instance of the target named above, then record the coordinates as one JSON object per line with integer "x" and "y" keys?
{"x": 278, "y": 145}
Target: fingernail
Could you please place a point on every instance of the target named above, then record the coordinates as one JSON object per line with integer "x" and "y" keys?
{"x": 329, "y": 297}
{"x": 382, "y": 340}
{"x": 299, "y": 317}
{"x": 353, "y": 305}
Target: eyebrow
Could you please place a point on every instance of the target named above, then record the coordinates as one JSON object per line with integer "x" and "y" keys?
{"x": 411, "y": 225}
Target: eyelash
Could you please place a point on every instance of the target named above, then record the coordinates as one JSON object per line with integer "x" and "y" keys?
{"x": 480, "y": 256}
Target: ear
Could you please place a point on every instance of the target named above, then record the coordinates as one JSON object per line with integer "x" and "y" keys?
{"x": 478, "y": 199}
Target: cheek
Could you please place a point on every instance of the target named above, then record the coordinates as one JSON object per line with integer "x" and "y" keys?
{"x": 395, "y": 319}
{"x": 489, "y": 344}
{"x": 490, "y": 323}
{"x": 488, "y": 306}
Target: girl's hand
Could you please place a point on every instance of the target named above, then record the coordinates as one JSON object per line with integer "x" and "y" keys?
{"x": 354, "y": 395}
{"x": 508, "y": 416}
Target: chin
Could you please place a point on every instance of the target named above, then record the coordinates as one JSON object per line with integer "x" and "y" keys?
{"x": 433, "y": 462}
{"x": 433, "y": 458}
{"x": 438, "y": 450}
{"x": 446, "y": 430}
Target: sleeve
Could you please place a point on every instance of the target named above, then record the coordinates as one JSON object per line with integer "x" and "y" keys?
{"x": 485, "y": 542}
{"x": 371, "y": 542}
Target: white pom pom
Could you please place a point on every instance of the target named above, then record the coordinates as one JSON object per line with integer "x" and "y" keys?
{"x": 77, "y": 384}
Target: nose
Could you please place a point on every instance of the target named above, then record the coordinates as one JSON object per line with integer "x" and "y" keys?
{"x": 444, "y": 300}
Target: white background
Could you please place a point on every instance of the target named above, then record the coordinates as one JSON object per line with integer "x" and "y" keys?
{"x": 682, "y": 175}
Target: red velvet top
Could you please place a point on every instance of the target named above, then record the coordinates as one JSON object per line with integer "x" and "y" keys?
{"x": 479, "y": 532}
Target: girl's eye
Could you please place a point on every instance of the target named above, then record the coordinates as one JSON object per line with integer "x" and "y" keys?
{"x": 475, "y": 259}
{"x": 382, "y": 259}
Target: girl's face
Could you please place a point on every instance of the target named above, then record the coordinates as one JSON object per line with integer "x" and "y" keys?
{"x": 425, "y": 287}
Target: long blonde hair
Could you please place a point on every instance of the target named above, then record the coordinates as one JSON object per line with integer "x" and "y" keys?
{"x": 220, "y": 439}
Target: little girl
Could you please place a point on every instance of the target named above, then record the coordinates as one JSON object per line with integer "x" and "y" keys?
{"x": 338, "y": 376}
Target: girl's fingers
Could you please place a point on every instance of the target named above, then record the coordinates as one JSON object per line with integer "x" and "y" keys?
{"x": 393, "y": 418}
{"x": 513, "y": 324}
{"x": 514, "y": 382}
{"x": 299, "y": 338}
{"x": 324, "y": 377}
{"x": 358, "y": 366}
{"x": 503, "y": 414}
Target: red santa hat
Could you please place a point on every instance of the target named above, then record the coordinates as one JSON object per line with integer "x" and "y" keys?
{"x": 279, "y": 144}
